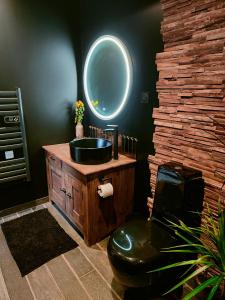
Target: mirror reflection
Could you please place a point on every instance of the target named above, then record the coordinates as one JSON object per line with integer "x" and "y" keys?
{"x": 107, "y": 77}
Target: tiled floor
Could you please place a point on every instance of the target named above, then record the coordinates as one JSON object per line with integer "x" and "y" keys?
{"x": 80, "y": 274}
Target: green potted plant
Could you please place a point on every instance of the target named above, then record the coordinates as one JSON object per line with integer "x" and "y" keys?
{"x": 208, "y": 243}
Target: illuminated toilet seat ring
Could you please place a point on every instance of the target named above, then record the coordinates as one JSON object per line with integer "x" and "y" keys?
{"x": 128, "y": 70}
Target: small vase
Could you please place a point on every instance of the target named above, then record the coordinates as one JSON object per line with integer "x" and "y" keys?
{"x": 79, "y": 130}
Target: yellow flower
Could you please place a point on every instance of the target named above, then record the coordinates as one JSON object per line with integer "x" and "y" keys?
{"x": 79, "y": 110}
{"x": 79, "y": 104}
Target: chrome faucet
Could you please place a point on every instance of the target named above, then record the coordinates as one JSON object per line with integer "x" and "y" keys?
{"x": 114, "y": 130}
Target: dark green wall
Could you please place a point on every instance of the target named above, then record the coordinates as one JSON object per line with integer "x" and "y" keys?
{"x": 37, "y": 54}
{"x": 137, "y": 24}
{"x": 39, "y": 41}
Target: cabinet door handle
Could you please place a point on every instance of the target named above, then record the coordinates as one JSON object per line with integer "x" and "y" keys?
{"x": 63, "y": 190}
{"x": 69, "y": 195}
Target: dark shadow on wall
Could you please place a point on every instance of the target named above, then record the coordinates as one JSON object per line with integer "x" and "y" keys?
{"x": 137, "y": 24}
{"x": 37, "y": 54}
{"x": 38, "y": 44}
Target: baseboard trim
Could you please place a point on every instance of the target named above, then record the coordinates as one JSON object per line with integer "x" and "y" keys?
{"x": 17, "y": 208}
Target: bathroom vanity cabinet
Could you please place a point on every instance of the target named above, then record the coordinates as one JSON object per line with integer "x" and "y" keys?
{"x": 73, "y": 188}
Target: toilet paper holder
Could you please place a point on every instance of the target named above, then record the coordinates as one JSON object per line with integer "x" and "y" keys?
{"x": 102, "y": 179}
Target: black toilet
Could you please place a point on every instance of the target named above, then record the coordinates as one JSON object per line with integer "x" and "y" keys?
{"x": 134, "y": 248}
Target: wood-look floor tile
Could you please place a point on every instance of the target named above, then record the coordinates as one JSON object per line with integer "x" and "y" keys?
{"x": 78, "y": 262}
{"x": 9, "y": 218}
{"x": 25, "y": 212}
{"x": 94, "y": 254}
{"x": 66, "y": 280}
{"x": 103, "y": 244}
{"x": 97, "y": 288}
{"x": 38, "y": 207}
{"x": 3, "y": 289}
{"x": 16, "y": 285}
{"x": 43, "y": 285}
{"x": 100, "y": 262}
{"x": 57, "y": 280}
{"x": 83, "y": 273}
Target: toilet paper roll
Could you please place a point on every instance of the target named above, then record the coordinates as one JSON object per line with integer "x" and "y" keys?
{"x": 105, "y": 190}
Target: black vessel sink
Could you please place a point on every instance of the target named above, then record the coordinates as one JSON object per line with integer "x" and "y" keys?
{"x": 91, "y": 151}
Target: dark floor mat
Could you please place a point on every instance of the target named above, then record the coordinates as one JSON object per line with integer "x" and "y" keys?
{"x": 34, "y": 239}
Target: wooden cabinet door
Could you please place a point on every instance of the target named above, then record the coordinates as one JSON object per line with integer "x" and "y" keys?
{"x": 56, "y": 186}
{"x": 106, "y": 214}
{"x": 75, "y": 201}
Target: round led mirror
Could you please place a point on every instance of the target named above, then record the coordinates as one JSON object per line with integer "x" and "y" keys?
{"x": 107, "y": 77}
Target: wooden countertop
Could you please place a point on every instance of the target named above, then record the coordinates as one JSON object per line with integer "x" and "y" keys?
{"x": 62, "y": 152}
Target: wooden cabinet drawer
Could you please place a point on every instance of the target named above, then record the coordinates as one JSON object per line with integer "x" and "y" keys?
{"x": 54, "y": 161}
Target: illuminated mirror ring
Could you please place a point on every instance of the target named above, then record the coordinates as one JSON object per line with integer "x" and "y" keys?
{"x": 107, "y": 77}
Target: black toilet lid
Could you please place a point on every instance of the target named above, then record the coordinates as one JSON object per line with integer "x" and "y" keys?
{"x": 140, "y": 242}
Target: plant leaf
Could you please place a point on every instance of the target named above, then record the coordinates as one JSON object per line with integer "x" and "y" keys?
{"x": 215, "y": 288}
{"x": 184, "y": 245}
{"x": 192, "y": 248}
{"x": 197, "y": 261}
{"x": 187, "y": 271}
{"x": 201, "y": 287}
{"x": 199, "y": 247}
{"x": 195, "y": 273}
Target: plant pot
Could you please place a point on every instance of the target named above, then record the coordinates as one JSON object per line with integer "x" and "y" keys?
{"x": 79, "y": 130}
